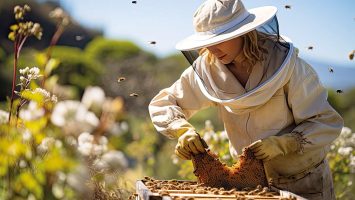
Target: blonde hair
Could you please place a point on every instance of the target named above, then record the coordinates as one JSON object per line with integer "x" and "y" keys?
{"x": 252, "y": 50}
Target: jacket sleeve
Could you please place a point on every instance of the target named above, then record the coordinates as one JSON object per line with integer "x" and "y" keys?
{"x": 317, "y": 123}
{"x": 171, "y": 107}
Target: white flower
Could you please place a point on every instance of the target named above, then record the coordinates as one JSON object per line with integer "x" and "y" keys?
{"x": 223, "y": 135}
{"x": 345, "y": 132}
{"x": 78, "y": 180}
{"x": 42, "y": 92}
{"x": 124, "y": 126}
{"x": 85, "y": 149}
{"x": 175, "y": 159}
{"x": 71, "y": 140}
{"x": 4, "y": 117}
{"x": 215, "y": 137}
{"x": 208, "y": 135}
{"x": 93, "y": 97}
{"x": 111, "y": 160}
{"x": 24, "y": 71}
{"x": 46, "y": 144}
{"x": 117, "y": 129}
{"x": 34, "y": 70}
{"x": 33, "y": 112}
{"x": 352, "y": 140}
{"x": 58, "y": 190}
{"x": 22, "y": 164}
{"x": 26, "y": 135}
{"x": 61, "y": 176}
{"x": 73, "y": 117}
{"x": 208, "y": 125}
{"x": 352, "y": 164}
{"x": 85, "y": 138}
{"x": 344, "y": 151}
{"x": 226, "y": 157}
{"x": 87, "y": 145}
{"x": 54, "y": 99}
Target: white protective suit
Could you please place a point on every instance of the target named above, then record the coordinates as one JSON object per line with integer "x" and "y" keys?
{"x": 285, "y": 99}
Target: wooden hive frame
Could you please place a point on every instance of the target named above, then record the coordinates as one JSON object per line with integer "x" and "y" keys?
{"x": 144, "y": 193}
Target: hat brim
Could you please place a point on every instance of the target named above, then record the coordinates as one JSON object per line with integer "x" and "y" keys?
{"x": 257, "y": 17}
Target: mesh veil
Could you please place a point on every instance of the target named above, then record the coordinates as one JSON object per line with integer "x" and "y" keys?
{"x": 276, "y": 44}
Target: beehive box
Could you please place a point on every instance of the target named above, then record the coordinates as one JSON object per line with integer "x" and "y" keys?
{"x": 150, "y": 189}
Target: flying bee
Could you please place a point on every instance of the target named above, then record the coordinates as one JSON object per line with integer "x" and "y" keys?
{"x": 120, "y": 79}
{"x": 288, "y": 6}
{"x": 339, "y": 91}
{"x": 152, "y": 42}
{"x": 330, "y": 69}
{"x": 310, "y": 48}
{"x": 351, "y": 55}
{"x": 134, "y": 2}
{"x": 79, "y": 37}
{"x": 133, "y": 95}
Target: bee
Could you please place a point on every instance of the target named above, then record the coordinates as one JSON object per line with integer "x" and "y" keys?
{"x": 134, "y": 2}
{"x": 330, "y": 69}
{"x": 339, "y": 91}
{"x": 288, "y": 6}
{"x": 133, "y": 95}
{"x": 351, "y": 55}
{"x": 310, "y": 48}
{"x": 120, "y": 79}
{"x": 79, "y": 37}
{"x": 152, "y": 42}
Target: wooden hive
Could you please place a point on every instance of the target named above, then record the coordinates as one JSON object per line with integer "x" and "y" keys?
{"x": 150, "y": 189}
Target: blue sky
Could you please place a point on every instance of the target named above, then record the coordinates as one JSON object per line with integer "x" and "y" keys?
{"x": 328, "y": 25}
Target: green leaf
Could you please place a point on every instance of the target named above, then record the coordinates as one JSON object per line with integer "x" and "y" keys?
{"x": 29, "y": 95}
{"x": 35, "y": 126}
{"x": 41, "y": 59}
{"x": 28, "y": 181}
{"x": 51, "y": 65}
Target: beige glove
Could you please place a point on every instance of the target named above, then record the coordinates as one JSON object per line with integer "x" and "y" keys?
{"x": 189, "y": 143}
{"x": 270, "y": 147}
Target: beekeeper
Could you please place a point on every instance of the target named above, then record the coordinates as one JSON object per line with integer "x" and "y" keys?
{"x": 269, "y": 99}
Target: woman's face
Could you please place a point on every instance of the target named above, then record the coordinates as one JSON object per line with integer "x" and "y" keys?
{"x": 228, "y": 50}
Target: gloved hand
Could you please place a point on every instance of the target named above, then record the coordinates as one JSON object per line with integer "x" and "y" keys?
{"x": 189, "y": 143}
{"x": 273, "y": 146}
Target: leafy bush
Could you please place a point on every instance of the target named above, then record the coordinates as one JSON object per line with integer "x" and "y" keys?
{"x": 76, "y": 68}
{"x": 342, "y": 163}
{"x": 106, "y": 50}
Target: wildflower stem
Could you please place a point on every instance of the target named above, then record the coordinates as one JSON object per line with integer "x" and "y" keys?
{"x": 13, "y": 79}
{"x": 53, "y": 42}
{"x": 17, "y": 48}
{"x": 20, "y": 46}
